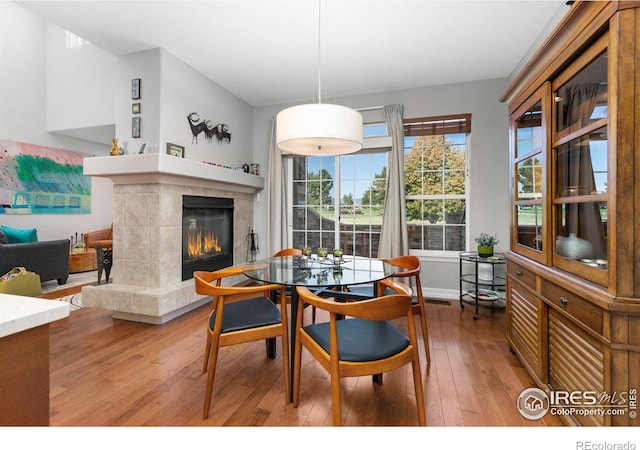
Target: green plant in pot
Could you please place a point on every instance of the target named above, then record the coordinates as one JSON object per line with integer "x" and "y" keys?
{"x": 486, "y": 242}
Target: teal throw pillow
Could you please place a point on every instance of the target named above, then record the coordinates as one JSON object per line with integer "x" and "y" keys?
{"x": 3, "y": 237}
{"x": 20, "y": 235}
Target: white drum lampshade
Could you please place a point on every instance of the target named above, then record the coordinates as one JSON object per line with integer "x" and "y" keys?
{"x": 319, "y": 129}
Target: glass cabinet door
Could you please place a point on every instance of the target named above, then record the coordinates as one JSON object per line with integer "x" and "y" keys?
{"x": 580, "y": 161}
{"x": 528, "y": 139}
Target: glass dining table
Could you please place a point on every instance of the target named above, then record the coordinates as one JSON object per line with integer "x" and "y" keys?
{"x": 326, "y": 277}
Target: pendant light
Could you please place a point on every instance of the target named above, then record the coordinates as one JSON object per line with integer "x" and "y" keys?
{"x": 319, "y": 129}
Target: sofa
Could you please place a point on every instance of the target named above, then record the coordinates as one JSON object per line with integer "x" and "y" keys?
{"x": 49, "y": 259}
{"x": 103, "y": 238}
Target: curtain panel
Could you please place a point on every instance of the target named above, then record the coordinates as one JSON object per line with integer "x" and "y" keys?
{"x": 277, "y": 203}
{"x": 394, "y": 240}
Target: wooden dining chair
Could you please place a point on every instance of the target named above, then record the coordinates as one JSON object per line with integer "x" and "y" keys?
{"x": 366, "y": 343}
{"x": 240, "y": 314}
{"x": 412, "y": 268}
{"x": 288, "y": 252}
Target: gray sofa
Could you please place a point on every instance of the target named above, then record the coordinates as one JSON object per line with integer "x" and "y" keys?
{"x": 49, "y": 259}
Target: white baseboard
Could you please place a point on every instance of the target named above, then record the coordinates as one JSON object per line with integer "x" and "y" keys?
{"x": 443, "y": 294}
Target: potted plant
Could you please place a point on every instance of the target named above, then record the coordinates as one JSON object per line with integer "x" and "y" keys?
{"x": 486, "y": 242}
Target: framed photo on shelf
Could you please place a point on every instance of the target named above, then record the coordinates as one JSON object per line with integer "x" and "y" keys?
{"x": 135, "y": 108}
{"x": 135, "y": 88}
{"x": 175, "y": 150}
{"x": 135, "y": 127}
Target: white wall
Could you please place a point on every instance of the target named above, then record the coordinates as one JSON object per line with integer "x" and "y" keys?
{"x": 23, "y": 117}
{"x": 80, "y": 85}
{"x": 170, "y": 90}
{"x": 183, "y": 91}
{"x": 145, "y": 66}
{"x": 488, "y": 208}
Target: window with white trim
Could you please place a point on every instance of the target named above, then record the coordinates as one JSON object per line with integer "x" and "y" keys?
{"x": 435, "y": 165}
{"x": 338, "y": 200}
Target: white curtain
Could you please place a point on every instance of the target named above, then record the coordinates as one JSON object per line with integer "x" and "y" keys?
{"x": 277, "y": 203}
{"x": 394, "y": 239}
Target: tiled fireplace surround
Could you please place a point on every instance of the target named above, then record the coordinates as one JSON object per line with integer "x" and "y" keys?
{"x": 147, "y": 225}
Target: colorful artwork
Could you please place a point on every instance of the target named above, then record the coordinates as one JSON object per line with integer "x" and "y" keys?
{"x": 42, "y": 180}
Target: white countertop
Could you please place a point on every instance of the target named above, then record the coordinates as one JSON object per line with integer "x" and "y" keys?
{"x": 18, "y": 313}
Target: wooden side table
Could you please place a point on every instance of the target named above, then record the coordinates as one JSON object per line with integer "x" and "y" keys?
{"x": 84, "y": 261}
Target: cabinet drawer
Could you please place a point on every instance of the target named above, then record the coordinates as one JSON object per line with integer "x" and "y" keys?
{"x": 522, "y": 274}
{"x": 583, "y": 311}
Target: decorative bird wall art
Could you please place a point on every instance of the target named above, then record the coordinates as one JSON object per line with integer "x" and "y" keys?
{"x": 220, "y": 131}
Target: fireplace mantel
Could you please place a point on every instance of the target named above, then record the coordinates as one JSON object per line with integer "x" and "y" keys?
{"x": 160, "y": 168}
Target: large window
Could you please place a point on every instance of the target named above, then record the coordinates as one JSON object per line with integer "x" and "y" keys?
{"x": 435, "y": 167}
{"x": 338, "y": 202}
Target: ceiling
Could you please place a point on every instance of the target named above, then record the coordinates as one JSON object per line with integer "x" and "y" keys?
{"x": 266, "y": 51}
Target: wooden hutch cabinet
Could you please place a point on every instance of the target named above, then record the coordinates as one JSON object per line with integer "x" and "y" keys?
{"x": 573, "y": 269}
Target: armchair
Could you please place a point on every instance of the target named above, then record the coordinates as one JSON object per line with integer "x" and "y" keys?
{"x": 103, "y": 238}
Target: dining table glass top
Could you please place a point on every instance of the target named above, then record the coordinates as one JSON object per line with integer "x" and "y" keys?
{"x": 317, "y": 272}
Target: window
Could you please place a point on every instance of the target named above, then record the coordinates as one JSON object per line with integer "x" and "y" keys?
{"x": 339, "y": 200}
{"x": 435, "y": 182}
{"x": 374, "y": 130}
{"x": 73, "y": 40}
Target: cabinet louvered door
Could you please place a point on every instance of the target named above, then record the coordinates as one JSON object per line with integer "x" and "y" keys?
{"x": 524, "y": 334}
{"x": 576, "y": 362}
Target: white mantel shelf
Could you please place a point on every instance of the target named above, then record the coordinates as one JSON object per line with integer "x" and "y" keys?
{"x": 162, "y": 168}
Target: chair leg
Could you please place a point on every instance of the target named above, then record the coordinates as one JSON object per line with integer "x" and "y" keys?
{"x": 297, "y": 357}
{"x": 213, "y": 356}
{"x": 417, "y": 382}
{"x": 207, "y": 348}
{"x": 425, "y": 334}
{"x": 336, "y": 407}
{"x": 286, "y": 369}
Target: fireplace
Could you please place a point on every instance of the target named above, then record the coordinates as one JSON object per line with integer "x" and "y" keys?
{"x": 207, "y": 234}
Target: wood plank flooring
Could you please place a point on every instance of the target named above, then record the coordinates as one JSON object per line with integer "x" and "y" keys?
{"x": 107, "y": 372}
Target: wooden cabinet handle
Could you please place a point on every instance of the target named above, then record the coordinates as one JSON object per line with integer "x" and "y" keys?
{"x": 564, "y": 301}
{"x": 518, "y": 273}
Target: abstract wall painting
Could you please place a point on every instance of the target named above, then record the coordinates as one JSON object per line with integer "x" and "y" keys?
{"x": 35, "y": 179}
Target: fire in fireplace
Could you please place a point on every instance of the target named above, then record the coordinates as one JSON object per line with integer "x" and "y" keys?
{"x": 207, "y": 234}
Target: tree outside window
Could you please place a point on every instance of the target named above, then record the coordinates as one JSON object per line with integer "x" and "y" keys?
{"x": 435, "y": 182}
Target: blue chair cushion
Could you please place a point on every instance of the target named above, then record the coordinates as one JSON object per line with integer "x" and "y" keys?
{"x": 361, "y": 340}
{"x": 246, "y": 314}
{"x": 368, "y": 290}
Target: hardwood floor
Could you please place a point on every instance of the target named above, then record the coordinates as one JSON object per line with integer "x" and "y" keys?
{"x": 107, "y": 372}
